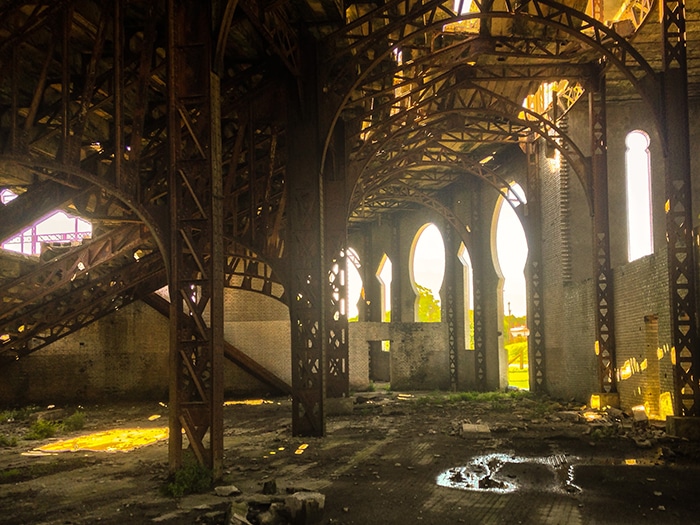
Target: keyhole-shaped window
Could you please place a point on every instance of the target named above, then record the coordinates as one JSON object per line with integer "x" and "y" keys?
{"x": 640, "y": 240}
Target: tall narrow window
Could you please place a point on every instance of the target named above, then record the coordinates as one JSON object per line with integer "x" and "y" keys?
{"x": 427, "y": 273}
{"x": 639, "y": 219}
{"x": 354, "y": 288}
{"x": 463, "y": 256}
{"x": 384, "y": 278}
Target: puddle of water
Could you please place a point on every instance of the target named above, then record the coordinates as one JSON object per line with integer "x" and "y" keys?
{"x": 505, "y": 473}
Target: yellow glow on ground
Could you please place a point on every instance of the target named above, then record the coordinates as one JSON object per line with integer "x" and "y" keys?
{"x": 117, "y": 440}
{"x": 252, "y": 402}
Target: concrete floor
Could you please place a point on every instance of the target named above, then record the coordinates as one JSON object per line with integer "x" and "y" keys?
{"x": 386, "y": 462}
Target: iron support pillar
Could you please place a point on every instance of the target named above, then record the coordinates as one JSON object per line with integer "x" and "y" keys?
{"x": 196, "y": 241}
{"x": 679, "y": 214}
{"x": 396, "y": 272}
{"x": 535, "y": 304}
{"x": 449, "y": 314}
{"x": 308, "y": 282}
{"x": 478, "y": 283}
{"x": 602, "y": 271}
{"x": 336, "y": 308}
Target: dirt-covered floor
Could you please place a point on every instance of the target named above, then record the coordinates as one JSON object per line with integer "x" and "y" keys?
{"x": 396, "y": 459}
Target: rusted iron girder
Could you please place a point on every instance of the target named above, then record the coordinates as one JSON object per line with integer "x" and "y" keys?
{"x": 254, "y": 180}
{"x": 532, "y": 221}
{"x": 602, "y": 270}
{"x": 53, "y": 276}
{"x": 307, "y": 277}
{"x": 371, "y": 41}
{"x": 481, "y": 103}
{"x": 478, "y": 285}
{"x": 449, "y": 315}
{"x": 196, "y": 228}
{"x": 273, "y": 23}
{"x": 336, "y": 307}
{"x": 679, "y": 214}
{"x": 39, "y": 200}
{"x": 245, "y": 270}
{"x": 66, "y": 313}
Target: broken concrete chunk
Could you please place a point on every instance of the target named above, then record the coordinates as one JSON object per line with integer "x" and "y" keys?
{"x": 305, "y": 508}
{"x": 227, "y": 490}
{"x": 471, "y": 428}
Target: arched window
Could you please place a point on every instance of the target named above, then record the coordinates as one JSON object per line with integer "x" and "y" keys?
{"x": 427, "y": 273}
{"x": 354, "y": 289}
{"x": 463, "y": 256}
{"x": 640, "y": 240}
{"x": 384, "y": 277}
{"x": 510, "y": 257}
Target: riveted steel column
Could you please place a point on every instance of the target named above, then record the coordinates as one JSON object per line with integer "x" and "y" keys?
{"x": 535, "y": 295}
{"x": 196, "y": 250}
{"x": 679, "y": 214}
{"x": 478, "y": 283}
{"x": 308, "y": 282}
{"x": 336, "y": 260}
{"x": 449, "y": 309}
{"x": 602, "y": 272}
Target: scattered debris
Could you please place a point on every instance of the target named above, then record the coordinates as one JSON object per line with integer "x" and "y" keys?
{"x": 227, "y": 490}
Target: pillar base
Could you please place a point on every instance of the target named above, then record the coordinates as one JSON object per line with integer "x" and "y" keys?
{"x": 602, "y": 399}
{"x": 683, "y": 427}
{"x": 338, "y": 406}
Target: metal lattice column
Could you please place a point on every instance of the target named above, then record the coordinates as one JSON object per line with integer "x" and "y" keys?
{"x": 449, "y": 315}
{"x": 478, "y": 283}
{"x": 679, "y": 214}
{"x": 535, "y": 295}
{"x": 308, "y": 282}
{"x": 602, "y": 272}
{"x": 336, "y": 316}
{"x": 196, "y": 224}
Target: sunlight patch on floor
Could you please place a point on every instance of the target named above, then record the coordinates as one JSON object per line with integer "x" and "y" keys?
{"x": 117, "y": 440}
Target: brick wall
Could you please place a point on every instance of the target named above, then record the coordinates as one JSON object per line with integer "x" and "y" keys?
{"x": 124, "y": 356}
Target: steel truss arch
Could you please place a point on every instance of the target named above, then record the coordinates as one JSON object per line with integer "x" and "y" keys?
{"x": 60, "y": 172}
{"x": 404, "y": 193}
{"x": 551, "y": 133}
{"x": 245, "y": 269}
{"x": 379, "y": 43}
{"x": 465, "y": 162}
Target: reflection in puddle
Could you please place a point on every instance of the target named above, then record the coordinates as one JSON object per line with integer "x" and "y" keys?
{"x": 503, "y": 473}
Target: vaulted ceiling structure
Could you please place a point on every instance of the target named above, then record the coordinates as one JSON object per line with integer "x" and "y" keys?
{"x": 414, "y": 96}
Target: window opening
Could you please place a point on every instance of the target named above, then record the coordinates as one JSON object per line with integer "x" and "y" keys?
{"x": 354, "y": 290}
{"x": 640, "y": 240}
{"x": 511, "y": 254}
{"x": 427, "y": 273}
{"x": 384, "y": 277}
{"x": 56, "y": 229}
{"x": 468, "y": 279}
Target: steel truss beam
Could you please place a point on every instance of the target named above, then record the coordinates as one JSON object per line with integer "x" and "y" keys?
{"x": 64, "y": 314}
{"x": 602, "y": 271}
{"x": 372, "y": 40}
{"x": 196, "y": 244}
{"x": 679, "y": 214}
{"x": 480, "y": 104}
{"x": 71, "y": 268}
{"x": 532, "y": 221}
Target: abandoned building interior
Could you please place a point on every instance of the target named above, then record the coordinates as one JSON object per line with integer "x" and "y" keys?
{"x": 303, "y": 197}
